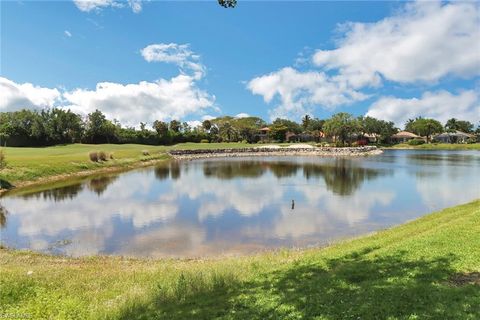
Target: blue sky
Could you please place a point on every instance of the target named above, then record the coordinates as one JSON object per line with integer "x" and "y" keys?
{"x": 141, "y": 61}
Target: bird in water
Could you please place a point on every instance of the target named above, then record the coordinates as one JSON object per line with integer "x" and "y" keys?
{"x": 293, "y": 204}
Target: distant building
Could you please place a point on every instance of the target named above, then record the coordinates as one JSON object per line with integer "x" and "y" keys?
{"x": 404, "y": 136}
{"x": 264, "y": 134}
{"x": 453, "y": 137}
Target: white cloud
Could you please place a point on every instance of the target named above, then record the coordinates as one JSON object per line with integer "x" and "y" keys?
{"x": 163, "y": 99}
{"x": 132, "y": 103}
{"x": 179, "y": 54}
{"x": 194, "y": 123}
{"x": 424, "y": 42}
{"x": 68, "y": 33}
{"x": 242, "y": 115}
{"x": 299, "y": 92}
{"x": 96, "y": 5}
{"x": 17, "y": 96}
{"x": 440, "y": 105}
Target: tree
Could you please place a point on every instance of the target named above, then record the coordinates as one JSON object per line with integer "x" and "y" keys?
{"x": 384, "y": 129}
{"x": 341, "y": 126}
{"x": 160, "y": 127}
{"x": 227, "y": 132}
{"x": 460, "y": 125}
{"x": 306, "y": 122}
{"x": 227, "y": 3}
{"x": 424, "y": 127}
{"x": 98, "y": 128}
{"x": 175, "y": 126}
{"x": 206, "y": 125}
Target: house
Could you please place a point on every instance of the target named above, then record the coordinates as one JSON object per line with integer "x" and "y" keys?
{"x": 404, "y": 136}
{"x": 453, "y": 137}
{"x": 264, "y": 134}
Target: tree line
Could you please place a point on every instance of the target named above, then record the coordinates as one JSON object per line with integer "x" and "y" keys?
{"x": 59, "y": 126}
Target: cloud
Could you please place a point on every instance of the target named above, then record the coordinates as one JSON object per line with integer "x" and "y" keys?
{"x": 179, "y": 54}
{"x": 299, "y": 92}
{"x": 425, "y": 41}
{"x": 17, "y": 96}
{"x": 132, "y": 103}
{"x": 242, "y": 115}
{"x": 97, "y": 5}
{"x": 440, "y": 105}
{"x": 162, "y": 99}
{"x": 68, "y": 33}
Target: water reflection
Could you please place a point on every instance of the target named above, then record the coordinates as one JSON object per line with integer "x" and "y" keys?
{"x": 3, "y": 216}
{"x": 204, "y": 207}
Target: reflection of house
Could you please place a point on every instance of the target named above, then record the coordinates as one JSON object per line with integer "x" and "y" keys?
{"x": 404, "y": 136}
{"x": 453, "y": 137}
{"x": 263, "y": 135}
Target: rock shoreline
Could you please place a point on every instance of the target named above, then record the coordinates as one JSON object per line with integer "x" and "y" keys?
{"x": 280, "y": 151}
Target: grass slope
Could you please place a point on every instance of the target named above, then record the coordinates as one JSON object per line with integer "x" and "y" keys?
{"x": 425, "y": 269}
{"x": 30, "y": 164}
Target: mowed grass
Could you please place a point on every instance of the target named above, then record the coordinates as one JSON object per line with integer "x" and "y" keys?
{"x": 30, "y": 164}
{"x": 438, "y": 146}
{"x": 426, "y": 269}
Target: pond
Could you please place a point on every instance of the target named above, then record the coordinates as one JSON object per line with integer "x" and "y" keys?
{"x": 238, "y": 206}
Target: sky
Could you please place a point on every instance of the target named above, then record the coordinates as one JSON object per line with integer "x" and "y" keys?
{"x": 140, "y": 61}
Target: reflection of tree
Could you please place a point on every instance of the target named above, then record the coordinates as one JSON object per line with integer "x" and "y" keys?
{"x": 175, "y": 170}
{"x": 100, "y": 184}
{"x": 343, "y": 176}
{"x": 232, "y": 169}
{"x": 284, "y": 169}
{"x": 3, "y": 216}
{"x": 57, "y": 194}
{"x": 162, "y": 172}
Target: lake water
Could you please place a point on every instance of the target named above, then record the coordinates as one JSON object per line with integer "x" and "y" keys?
{"x": 240, "y": 205}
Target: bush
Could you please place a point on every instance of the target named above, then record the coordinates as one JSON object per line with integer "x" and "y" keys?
{"x": 145, "y": 152}
{"x": 3, "y": 162}
{"x": 416, "y": 142}
{"x": 102, "y": 156}
{"x": 470, "y": 140}
{"x": 111, "y": 156}
{"x": 93, "y": 155}
{"x": 204, "y": 141}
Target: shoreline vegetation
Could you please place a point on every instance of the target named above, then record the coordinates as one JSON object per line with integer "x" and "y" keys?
{"x": 28, "y": 167}
{"x": 426, "y": 268}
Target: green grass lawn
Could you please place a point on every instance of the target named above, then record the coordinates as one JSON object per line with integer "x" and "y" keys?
{"x": 30, "y": 164}
{"x": 438, "y": 146}
{"x": 426, "y": 269}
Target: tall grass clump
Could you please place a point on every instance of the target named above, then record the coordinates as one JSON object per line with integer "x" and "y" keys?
{"x": 102, "y": 156}
{"x": 3, "y": 161}
{"x": 93, "y": 155}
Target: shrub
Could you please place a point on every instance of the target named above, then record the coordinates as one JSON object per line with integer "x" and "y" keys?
{"x": 93, "y": 155}
{"x": 102, "y": 156}
{"x": 111, "y": 156}
{"x": 470, "y": 140}
{"x": 204, "y": 141}
{"x": 145, "y": 152}
{"x": 416, "y": 142}
{"x": 340, "y": 144}
{"x": 3, "y": 162}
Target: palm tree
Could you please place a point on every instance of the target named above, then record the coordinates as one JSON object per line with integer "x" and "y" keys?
{"x": 305, "y": 122}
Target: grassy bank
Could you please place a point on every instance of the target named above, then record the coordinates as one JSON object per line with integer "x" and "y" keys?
{"x": 34, "y": 164}
{"x": 437, "y": 146}
{"x": 426, "y": 269}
